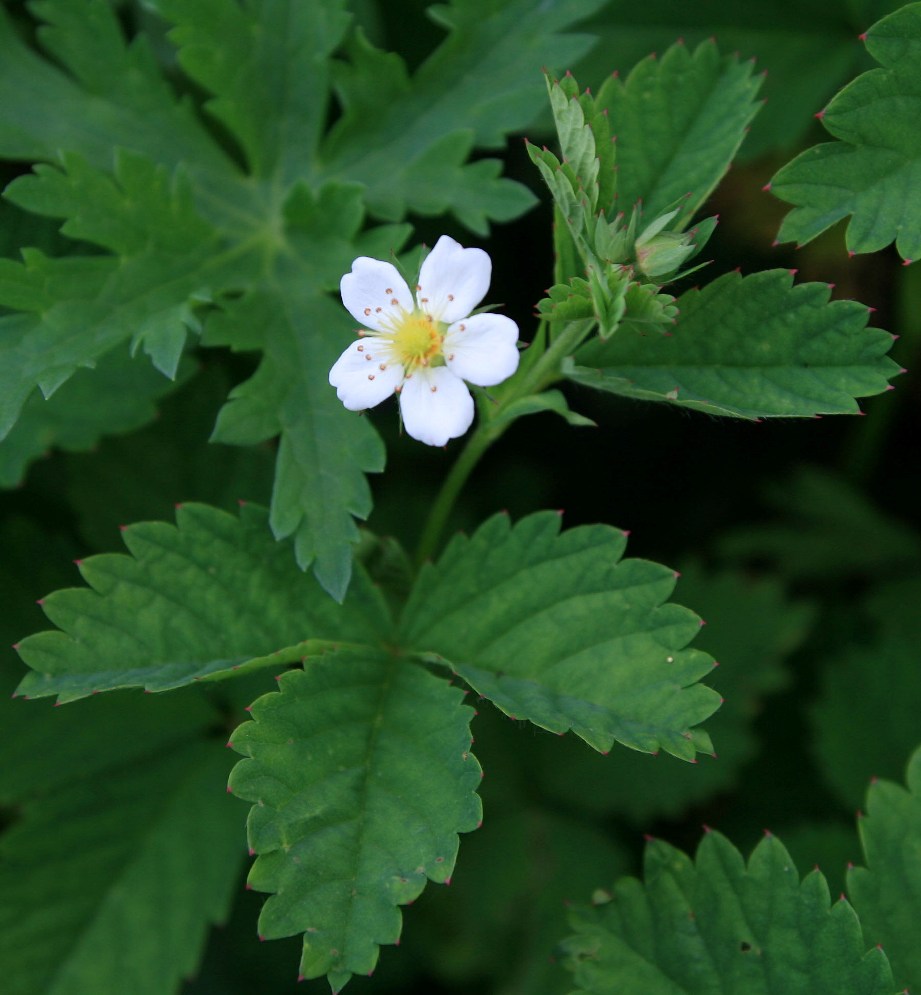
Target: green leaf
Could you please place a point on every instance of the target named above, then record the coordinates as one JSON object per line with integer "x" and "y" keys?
{"x": 871, "y": 173}
{"x": 266, "y": 62}
{"x": 552, "y": 628}
{"x": 751, "y": 628}
{"x": 752, "y": 347}
{"x": 117, "y": 396}
{"x": 115, "y": 95}
{"x": 804, "y": 57}
{"x": 678, "y": 122}
{"x": 108, "y": 883}
{"x": 886, "y": 892}
{"x": 866, "y": 716}
{"x": 207, "y": 596}
{"x": 482, "y": 82}
{"x": 362, "y": 778}
{"x": 325, "y": 450}
{"x": 717, "y": 924}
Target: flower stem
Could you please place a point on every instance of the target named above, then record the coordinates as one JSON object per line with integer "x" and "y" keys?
{"x": 536, "y": 376}
{"x": 476, "y": 445}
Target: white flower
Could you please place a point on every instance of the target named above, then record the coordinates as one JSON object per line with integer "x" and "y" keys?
{"x": 423, "y": 346}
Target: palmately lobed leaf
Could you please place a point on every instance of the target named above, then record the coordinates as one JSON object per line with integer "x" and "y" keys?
{"x": 557, "y": 629}
{"x": 872, "y": 173}
{"x": 361, "y": 776}
{"x": 718, "y": 924}
{"x": 195, "y": 600}
{"x": 751, "y": 347}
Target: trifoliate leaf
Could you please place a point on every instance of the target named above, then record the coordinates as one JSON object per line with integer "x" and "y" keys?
{"x": 872, "y": 172}
{"x": 751, "y": 628}
{"x": 361, "y": 774}
{"x": 886, "y": 892}
{"x": 719, "y": 924}
{"x": 109, "y": 884}
{"x": 553, "y": 628}
{"x": 752, "y": 347}
{"x": 206, "y": 596}
{"x": 866, "y": 716}
{"x": 678, "y": 122}
{"x": 117, "y": 396}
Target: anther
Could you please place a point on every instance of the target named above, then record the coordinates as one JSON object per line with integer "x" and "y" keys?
{"x": 383, "y": 366}
{"x": 361, "y": 348}
{"x": 370, "y": 376}
{"x": 462, "y": 328}
{"x": 367, "y": 311}
{"x": 450, "y": 297}
{"x": 378, "y": 310}
{"x": 389, "y": 290}
{"x": 394, "y": 301}
{"x": 433, "y": 389}
{"x": 418, "y": 286}
{"x": 423, "y": 300}
{"x": 451, "y": 357}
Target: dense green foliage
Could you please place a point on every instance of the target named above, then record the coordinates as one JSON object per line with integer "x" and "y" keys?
{"x": 185, "y": 185}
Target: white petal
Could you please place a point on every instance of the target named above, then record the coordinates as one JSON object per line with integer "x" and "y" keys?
{"x": 374, "y": 293}
{"x": 453, "y": 280}
{"x": 358, "y": 378}
{"x": 435, "y": 405}
{"x": 482, "y": 349}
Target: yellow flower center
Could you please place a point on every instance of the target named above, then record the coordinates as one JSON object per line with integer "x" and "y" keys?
{"x": 417, "y": 339}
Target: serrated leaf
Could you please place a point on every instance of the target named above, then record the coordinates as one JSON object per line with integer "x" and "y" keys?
{"x": 207, "y": 596}
{"x": 866, "y": 716}
{"x": 484, "y": 77}
{"x": 871, "y": 173}
{"x": 751, "y": 628}
{"x": 678, "y": 122}
{"x": 804, "y": 57}
{"x": 718, "y": 924}
{"x": 117, "y": 396}
{"x": 266, "y": 64}
{"x": 752, "y": 347}
{"x": 361, "y": 775}
{"x": 554, "y": 629}
{"x": 885, "y": 892}
{"x": 109, "y": 884}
